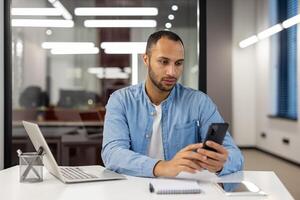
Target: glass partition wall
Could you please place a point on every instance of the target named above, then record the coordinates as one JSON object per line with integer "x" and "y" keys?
{"x": 68, "y": 56}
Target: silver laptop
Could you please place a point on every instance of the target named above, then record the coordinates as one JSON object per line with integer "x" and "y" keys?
{"x": 67, "y": 174}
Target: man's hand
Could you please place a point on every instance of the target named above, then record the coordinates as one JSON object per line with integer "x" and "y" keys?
{"x": 186, "y": 159}
{"x": 215, "y": 160}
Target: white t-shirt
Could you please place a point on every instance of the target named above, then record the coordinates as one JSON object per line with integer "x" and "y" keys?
{"x": 156, "y": 149}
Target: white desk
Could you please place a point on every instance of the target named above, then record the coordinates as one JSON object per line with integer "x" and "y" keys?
{"x": 133, "y": 188}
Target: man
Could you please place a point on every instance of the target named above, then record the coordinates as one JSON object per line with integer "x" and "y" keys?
{"x": 156, "y": 128}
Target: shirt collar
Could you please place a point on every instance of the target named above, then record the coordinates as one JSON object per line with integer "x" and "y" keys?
{"x": 164, "y": 102}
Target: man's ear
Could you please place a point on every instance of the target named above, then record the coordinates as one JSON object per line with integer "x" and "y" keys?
{"x": 146, "y": 59}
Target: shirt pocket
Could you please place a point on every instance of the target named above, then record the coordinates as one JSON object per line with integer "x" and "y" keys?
{"x": 185, "y": 134}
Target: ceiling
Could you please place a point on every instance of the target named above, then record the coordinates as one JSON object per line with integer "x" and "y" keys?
{"x": 187, "y": 9}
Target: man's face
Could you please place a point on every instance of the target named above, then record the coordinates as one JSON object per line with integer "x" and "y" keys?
{"x": 165, "y": 64}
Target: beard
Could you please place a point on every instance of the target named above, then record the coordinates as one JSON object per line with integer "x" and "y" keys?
{"x": 158, "y": 83}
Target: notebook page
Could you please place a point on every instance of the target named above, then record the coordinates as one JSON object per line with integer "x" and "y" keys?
{"x": 173, "y": 186}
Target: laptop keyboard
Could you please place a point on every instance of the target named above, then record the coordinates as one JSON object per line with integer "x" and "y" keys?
{"x": 72, "y": 173}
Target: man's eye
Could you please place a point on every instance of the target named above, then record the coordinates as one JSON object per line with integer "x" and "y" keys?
{"x": 164, "y": 62}
{"x": 179, "y": 63}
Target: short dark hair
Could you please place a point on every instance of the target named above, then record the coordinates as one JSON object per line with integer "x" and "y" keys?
{"x": 154, "y": 37}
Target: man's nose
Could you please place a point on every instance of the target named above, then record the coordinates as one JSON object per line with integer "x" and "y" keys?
{"x": 171, "y": 70}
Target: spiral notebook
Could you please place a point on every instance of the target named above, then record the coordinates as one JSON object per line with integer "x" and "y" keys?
{"x": 173, "y": 186}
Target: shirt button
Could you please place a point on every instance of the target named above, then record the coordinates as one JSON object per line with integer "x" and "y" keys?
{"x": 147, "y": 135}
{"x": 153, "y": 113}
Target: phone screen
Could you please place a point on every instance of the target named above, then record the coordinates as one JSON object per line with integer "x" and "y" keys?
{"x": 241, "y": 188}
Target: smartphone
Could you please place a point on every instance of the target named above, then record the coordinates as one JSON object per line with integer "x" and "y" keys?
{"x": 216, "y": 133}
{"x": 243, "y": 188}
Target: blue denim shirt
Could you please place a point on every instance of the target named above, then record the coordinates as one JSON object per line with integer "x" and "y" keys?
{"x": 186, "y": 116}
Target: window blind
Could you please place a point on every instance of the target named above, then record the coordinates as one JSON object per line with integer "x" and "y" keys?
{"x": 287, "y": 69}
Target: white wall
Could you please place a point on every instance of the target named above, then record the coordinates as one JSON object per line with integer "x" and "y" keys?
{"x": 243, "y": 74}
{"x": 252, "y": 86}
{"x": 1, "y": 85}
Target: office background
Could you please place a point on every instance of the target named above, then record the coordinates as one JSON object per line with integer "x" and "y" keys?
{"x": 238, "y": 80}
{"x": 66, "y": 93}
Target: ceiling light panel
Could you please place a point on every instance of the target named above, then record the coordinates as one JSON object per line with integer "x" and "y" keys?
{"x": 35, "y": 12}
{"x": 53, "y": 45}
{"x": 270, "y": 31}
{"x": 120, "y": 23}
{"x": 291, "y": 21}
{"x": 42, "y": 23}
{"x": 249, "y": 41}
{"x": 116, "y": 11}
{"x": 124, "y": 47}
{"x": 65, "y": 51}
{"x": 59, "y": 6}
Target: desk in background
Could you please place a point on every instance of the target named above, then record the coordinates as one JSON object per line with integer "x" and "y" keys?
{"x": 134, "y": 188}
{"x": 74, "y": 135}
{"x": 72, "y": 143}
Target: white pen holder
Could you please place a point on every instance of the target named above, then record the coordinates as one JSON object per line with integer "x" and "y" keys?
{"x": 31, "y": 167}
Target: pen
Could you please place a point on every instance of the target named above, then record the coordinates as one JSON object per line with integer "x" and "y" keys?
{"x": 197, "y": 131}
{"x": 151, "y": 188}
{"x": 40, "y": 151}
{"x": 19, "y": 152}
